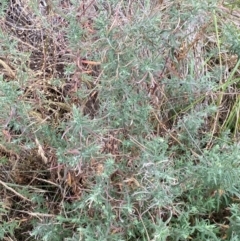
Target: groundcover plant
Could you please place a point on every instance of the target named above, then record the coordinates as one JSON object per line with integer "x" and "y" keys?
{"x": 119, "y": 120}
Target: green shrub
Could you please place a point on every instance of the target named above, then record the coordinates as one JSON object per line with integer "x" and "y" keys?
{"x": 129, "y": 122}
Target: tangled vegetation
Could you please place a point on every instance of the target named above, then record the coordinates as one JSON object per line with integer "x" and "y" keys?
{"x": 119, "y": 120}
